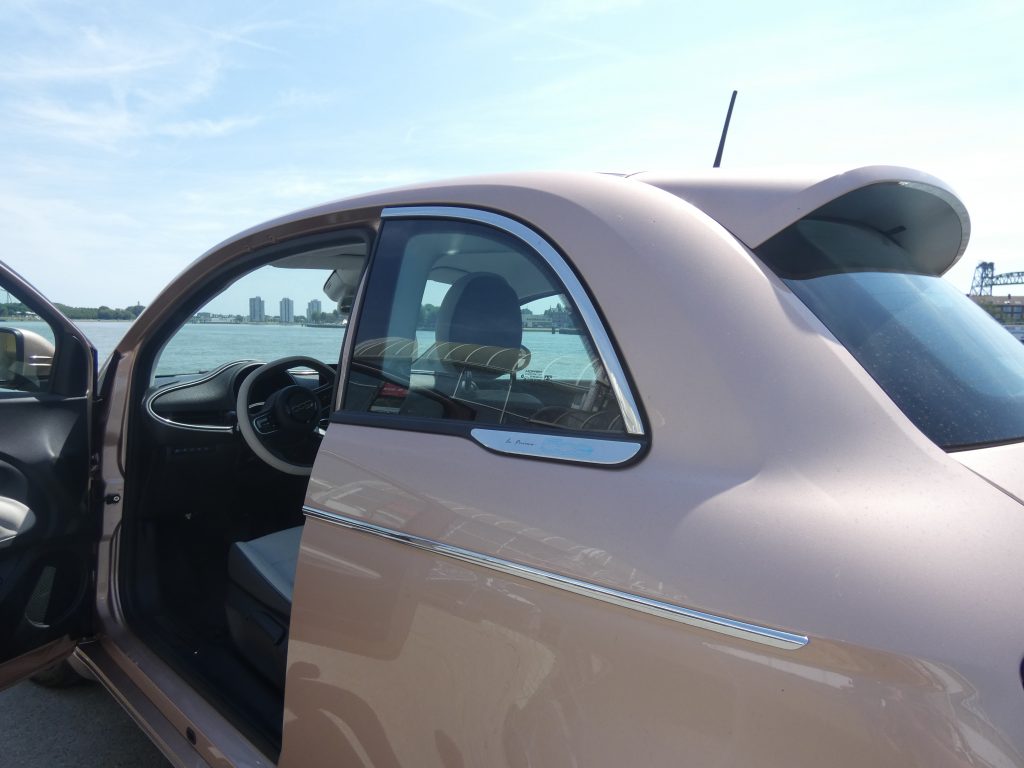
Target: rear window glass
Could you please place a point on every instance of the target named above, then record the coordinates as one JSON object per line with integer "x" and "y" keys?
{"x": 950, "y": 367}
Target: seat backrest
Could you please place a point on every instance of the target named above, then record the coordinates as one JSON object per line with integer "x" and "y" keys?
{"x": 477, "y": 339}
{"x": 480, "y": 308}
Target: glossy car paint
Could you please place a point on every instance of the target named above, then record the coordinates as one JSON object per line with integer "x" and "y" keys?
{"x": 781, "y": 488}
{"x": 1000, "y": 465}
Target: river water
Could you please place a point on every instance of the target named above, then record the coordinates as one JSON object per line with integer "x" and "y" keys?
{"x": 204, "y": 346}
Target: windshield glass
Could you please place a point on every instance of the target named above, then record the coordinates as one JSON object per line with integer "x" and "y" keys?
{"x": 949, "y": 366}
{"x": 269, "y": 313}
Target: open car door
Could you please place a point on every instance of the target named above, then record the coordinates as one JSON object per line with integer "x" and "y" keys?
{"x": 48, "y": 524}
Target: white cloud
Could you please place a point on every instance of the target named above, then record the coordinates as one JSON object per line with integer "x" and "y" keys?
{"x": 243, "y": 35}
{"x": 108, "y": 86}
{"x": 99, "y": 125}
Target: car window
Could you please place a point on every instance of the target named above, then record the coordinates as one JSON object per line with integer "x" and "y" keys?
{"x": 26, "y": 346}
{"x": 294, "y": 306}
{"x": 950, "y": 367}
{"x": 464, "y": 322}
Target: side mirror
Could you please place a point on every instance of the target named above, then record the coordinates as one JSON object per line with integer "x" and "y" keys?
{"x": 26, "y": 359}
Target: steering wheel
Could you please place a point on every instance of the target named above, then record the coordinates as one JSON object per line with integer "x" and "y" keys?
{"x": 284, "y": 430}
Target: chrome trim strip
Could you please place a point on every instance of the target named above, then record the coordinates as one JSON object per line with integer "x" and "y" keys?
{"x": 764, "y": 635}
{"x": 562, "y": 447}
{"x": 616, "y": 374}
{"x": 182, "y": 385}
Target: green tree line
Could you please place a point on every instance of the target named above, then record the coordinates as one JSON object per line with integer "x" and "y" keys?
{"x": 333, "y": 316}
{"x": 103, "y": 312}
{"x": 428, "y": 317}
{"x": 559, "y": 315}
{"x": 12, "y": 309}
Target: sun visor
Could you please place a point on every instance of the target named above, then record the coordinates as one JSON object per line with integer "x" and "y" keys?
{"x": 913, "y": 210}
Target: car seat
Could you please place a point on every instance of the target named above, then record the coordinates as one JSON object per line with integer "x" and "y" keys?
{"x": 261, "y": 580}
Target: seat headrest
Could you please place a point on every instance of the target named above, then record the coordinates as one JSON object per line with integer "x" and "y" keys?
{"x": 486, "y": 359}
{"x": 388, "y": 347}
{"x": 481, "y": 309}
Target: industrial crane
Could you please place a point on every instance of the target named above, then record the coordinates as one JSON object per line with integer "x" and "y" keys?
{"x": 985, "y": 278}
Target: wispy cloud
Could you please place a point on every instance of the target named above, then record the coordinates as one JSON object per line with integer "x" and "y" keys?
{"x": 85, "y": 54}
{"x": 108, "y": 86}
{"x": 70, "y": 71}
{"x": 526, "y": 14}
{"x": 579, "y": 10}
{"x": 558, "y": 21}
{"x": 99, "y": 125}
{"x": 243, "y": 35}
{"x": 109, "y": 126}
{"x": 307, "y": 97}
{"x": 206, "y": 128}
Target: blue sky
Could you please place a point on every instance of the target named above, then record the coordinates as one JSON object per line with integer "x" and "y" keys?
{"x": 137, "y": 135}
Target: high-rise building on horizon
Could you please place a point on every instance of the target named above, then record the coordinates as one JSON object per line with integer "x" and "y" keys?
{"x": 256, "y": 310}
{"x": 312, "y": 310}
{"x": 287, "y": 311}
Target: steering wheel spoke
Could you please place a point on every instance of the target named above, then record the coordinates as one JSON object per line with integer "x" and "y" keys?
{"x": 265, "y": 425}
{"x": 261, "y": 417}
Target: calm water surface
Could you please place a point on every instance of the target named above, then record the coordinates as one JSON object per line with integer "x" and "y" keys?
{"x": 203, "y": 347}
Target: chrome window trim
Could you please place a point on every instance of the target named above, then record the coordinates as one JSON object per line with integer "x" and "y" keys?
{"x": 775, "y": 638}
{"x": 616, "y": 374}
{"x": 182, "y": 385}
{"x": 567, "y": 447}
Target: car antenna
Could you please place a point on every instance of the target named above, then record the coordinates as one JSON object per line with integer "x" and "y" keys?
{"x": 725, "y": 131}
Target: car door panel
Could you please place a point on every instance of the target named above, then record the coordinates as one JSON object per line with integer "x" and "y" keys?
{"x": 47, "y": 530}
{"x": 405, "y": 651}
{"x": 44, "y": 568}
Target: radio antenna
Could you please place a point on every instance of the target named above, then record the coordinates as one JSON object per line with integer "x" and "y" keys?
{"x": 725, "y": 131}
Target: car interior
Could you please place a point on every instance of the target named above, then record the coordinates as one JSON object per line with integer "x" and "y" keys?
{"x": 212, "y": 524}
{"x": 211, "y": 530}
{"x": 481, "y": 364}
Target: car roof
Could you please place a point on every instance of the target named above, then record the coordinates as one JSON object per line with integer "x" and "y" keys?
{"x": 919, "y": 211}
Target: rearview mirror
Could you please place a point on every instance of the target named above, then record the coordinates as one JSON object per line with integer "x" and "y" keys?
{"x": 342, "y": 284}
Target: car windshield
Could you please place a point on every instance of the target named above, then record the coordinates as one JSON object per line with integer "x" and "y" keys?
{"x": 268, "y": 314}
{"x": 949, "y": 366}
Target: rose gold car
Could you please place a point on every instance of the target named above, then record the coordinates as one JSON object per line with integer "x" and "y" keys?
{"x": 552, "y": 469}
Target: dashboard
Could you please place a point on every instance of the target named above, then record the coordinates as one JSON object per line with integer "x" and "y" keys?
{"x": 207, "y": 402}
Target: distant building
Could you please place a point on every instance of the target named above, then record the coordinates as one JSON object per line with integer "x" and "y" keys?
{"x": 1008, "y": 309}
{"x": 312, "y": 310}
{"x": 256, "y": 311}
{"x": 287, "y": 311}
